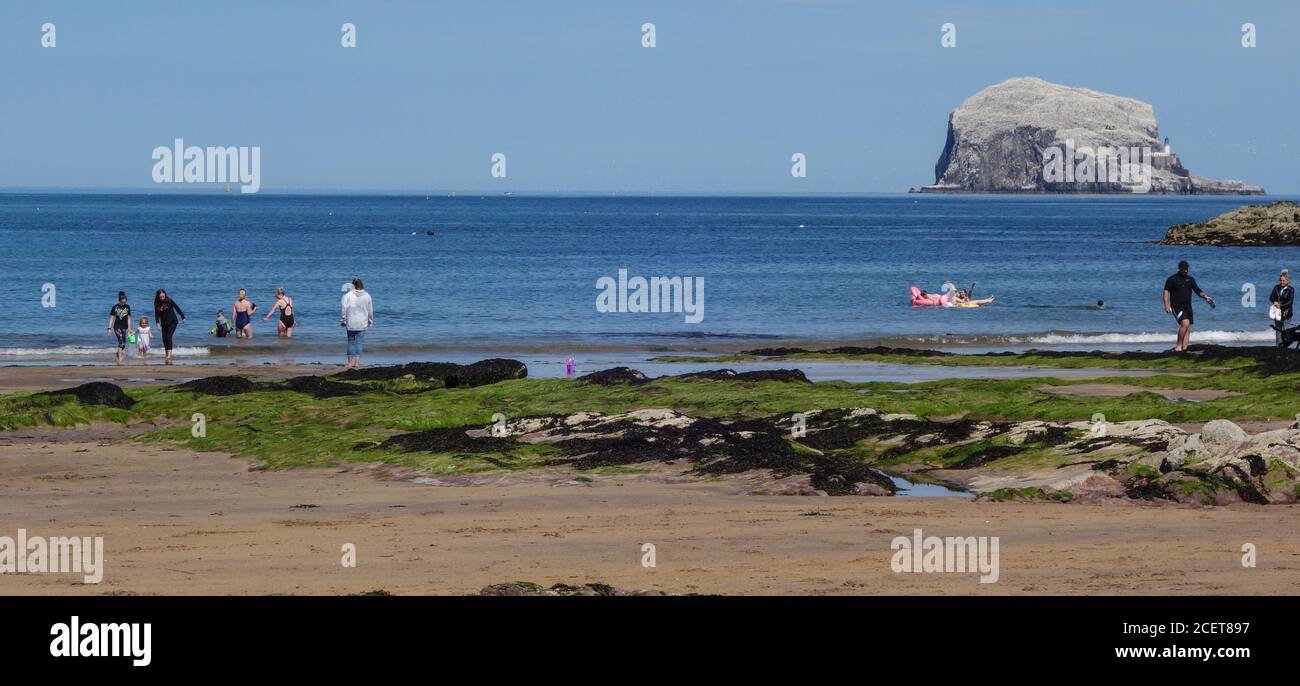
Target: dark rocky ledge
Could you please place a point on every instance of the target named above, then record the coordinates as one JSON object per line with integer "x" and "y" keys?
{"x": 1272, "y": 225}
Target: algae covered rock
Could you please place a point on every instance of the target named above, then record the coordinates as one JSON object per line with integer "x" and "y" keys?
{"x": 98, "y": 393}
{"x": 1265, "y": 225}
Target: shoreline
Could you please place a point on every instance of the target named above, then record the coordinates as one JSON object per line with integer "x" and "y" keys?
{"x": 544, "y": 351}
{"x": 269, "y": 347}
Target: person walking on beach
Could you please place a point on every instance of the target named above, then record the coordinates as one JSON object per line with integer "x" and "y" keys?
{"x": 165, "y": 311}
{"x": 1281, "y": 298}
{"x": 283, "y": 305}
{"x": 1178, "y": 302}
{"x": 119, "y": 322}
{"x": 243, "y": 309}
{"x": 358, "y": 315}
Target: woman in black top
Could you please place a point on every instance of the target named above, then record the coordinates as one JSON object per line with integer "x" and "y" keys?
{"x": 1282, "y": 297}
{"x": 165, "y": 311}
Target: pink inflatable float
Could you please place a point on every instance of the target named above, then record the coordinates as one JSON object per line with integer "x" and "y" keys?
{"x": 928, "y": 299}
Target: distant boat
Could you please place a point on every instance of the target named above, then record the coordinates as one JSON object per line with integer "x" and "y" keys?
{"x": 510, "y": 194}
{"x": 227, "y": 188}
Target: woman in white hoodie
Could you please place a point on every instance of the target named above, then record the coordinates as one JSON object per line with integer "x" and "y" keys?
{"x": 358, "y": 315}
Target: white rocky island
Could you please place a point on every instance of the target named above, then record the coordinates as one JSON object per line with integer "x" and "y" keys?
{"x": 1026, "y": 135}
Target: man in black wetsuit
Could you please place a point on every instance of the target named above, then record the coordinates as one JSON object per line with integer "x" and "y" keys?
{"x": 1178, "y": 302}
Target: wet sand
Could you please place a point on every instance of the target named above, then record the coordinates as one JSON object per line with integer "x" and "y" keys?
{"x": 180, "y": 522}
{"x": 133, "y": 373}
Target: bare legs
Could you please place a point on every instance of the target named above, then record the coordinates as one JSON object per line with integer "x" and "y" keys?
{"x": 1184, "y": 335}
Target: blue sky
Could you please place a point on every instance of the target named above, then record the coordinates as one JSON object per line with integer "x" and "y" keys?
{"x": 567, "y": 92}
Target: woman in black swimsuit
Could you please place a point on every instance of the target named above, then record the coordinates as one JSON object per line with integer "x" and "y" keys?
{"x": 284, "y": 304}
{"x": 165, "y": 311}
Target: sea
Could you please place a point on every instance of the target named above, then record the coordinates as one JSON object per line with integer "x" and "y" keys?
{"x": 465, "y": 276}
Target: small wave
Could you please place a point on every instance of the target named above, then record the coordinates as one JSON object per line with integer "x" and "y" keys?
{"x": 1130, "y": 338}
{"x": 1082, "y": 338}
{"x": 687, "y": 335}
{"x": 93, "y": 351}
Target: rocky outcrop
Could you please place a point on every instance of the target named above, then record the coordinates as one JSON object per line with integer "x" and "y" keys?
{"x": 788, "y": 375}
{"x": 634, "y": 377}
{"x": 98, "y": 393}
{"x": 438, "y": 374}
{"x": 615, "y": 375}
{"x": 1147, "y": 460}
{"x": 1268, "y": 225}
{"x": 853, "y": 451}
{"x": 702, "y": 446}
{"x": 1026, "y": 135}
{"x": 526, "y": 588}
{"x": 219, "y": 385}
{"x": 451, "y": 375}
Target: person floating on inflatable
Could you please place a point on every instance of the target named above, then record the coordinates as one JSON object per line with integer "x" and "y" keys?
{"x": 956, "y": 298}
{"x": 921, "y": 298}
{"x": 963, "y": 299}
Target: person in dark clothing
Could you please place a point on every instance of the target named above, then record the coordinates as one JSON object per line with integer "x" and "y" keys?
{"x": 1282, "y": 297}
{"x": 165, "y": 311}
{"x": 119, "y": 322}
{"x": 1178, "y": 302}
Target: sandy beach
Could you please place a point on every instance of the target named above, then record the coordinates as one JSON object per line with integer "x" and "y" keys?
{"x": 180, "y": 522}
{"x": 176, "y": 521}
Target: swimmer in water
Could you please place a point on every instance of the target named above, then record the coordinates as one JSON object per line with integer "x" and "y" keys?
{"x": 243, "y": 309}
{"x": 283, "y": 304}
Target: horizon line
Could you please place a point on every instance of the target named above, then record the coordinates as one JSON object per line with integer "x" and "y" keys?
{"x": 202, "y": 191}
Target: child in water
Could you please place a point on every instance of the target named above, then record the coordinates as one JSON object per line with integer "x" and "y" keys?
{"x": 142, "y": 336}
{"x": 222, "y": 327}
